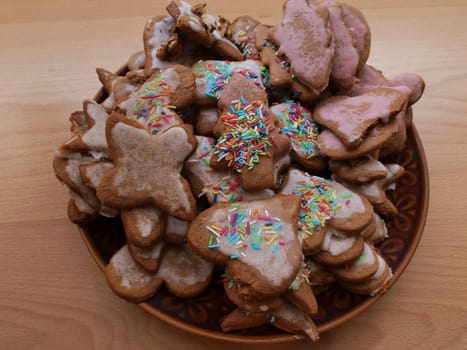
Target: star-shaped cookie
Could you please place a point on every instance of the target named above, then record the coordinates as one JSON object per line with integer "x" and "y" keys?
{"x": 94, "y": 138}
{"x": 147, "y": 168}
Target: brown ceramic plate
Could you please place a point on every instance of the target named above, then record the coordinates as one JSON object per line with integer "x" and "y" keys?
{"x": 202, "y": 315}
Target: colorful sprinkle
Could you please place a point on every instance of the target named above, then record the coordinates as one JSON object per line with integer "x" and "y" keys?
{"x": 318, "y": 203}
{"x": 247, "y": 229}
{"x": 153, "y": 105}
{"x": 298, "y": 124}
{"x": 215, "y": 75}
{"x": 247, "y": 129}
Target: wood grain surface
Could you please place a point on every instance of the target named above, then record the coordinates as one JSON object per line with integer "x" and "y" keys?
{"x": 52, "y": 294}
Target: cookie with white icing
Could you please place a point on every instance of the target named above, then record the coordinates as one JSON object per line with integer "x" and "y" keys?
{"x": 375, "y": 284}
{"x": 374, "y": 191}
{"x": 148, "y": 257}
{"x": 217, "y": 185}
{"x": 318, "y": 204}
{"x": 206, "y": 29}
{"x": 213, "y": 75}
{"x": 358, "y": 170}
{"x": 339, "y": 251}
{"x": 360, "y": 269}
{"x": 296, "y": 121}
{"x": 176, "y": 230}
{"x": 128, "y": 279}
{"x": 147, "y": 168}
{"x": 118, "y": 88}
{"x": 248, "y": 139}
{"x": 257, "y": 241}
{"x": 93, "y": 137}
{"x": 143, "y": 225}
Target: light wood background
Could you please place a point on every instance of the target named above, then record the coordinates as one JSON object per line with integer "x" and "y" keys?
{"x": 52, "y": 294}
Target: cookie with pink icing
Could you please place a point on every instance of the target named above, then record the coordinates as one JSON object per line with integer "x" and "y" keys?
{"x": 369, "y": 78}
{"x": 147, "y": 168}
{"x": 350, "y": 118}
{"x": 330, "y": 145}
{"x": 257, "y": 241}
{"x": 358, "y": 170}
{"x": 217, "y": 185}
{"x": 296, "y": 121}
{"x": 248, "y": 140}
{"x": 206, "y": 29}
{"x": 278, "y": 76}
{"x": 213, "y": 75}
{"x": 305, "y": 39}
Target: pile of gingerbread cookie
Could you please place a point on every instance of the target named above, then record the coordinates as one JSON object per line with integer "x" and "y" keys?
{"x": 252, "y": 147}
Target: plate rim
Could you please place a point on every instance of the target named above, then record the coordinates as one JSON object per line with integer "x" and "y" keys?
{"x": 322, "y": 328}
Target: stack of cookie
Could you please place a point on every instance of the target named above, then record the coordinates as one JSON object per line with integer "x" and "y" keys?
{"x": 255, "y": 148}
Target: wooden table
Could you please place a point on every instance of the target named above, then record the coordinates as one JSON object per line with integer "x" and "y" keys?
{"x": 52, "y": 294}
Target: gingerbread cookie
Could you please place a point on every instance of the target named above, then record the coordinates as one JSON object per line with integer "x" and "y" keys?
{"x": 249, "y": 141}
{"x": 148, "y": 257}
{"x": 213, "y": 75}
{"x": 305, "y": 39}
{"x": 91, "y": 138}
{"x": 349, "y": 118}
{"x": 118, "y": 88}
{"x": 146, "y": 168}
{"x": 128, "y": 279}
{"x": 159, "y": 39}
{"x": 143, "y": 225}
{"x": 206, "y": 29}
{"x": 257, "y": 240}
{"x": 242, "y": 33}
{"x": 298, "y": 124}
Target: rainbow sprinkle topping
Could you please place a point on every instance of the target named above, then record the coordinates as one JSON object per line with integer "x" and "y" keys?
{"x": 247, "y": 135}
{"x": 318, "y": 203}
{"x": 298, "y": 124}
{"x": 226, "y": 190}
{"x": 302, "y": 276}
{"x": 252, "y": 229}
{"x": 280, "y": 60}
{"x": 247, "y": 45}
{"x": 215, "y": 75}
{"x": 153, "y": 105}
